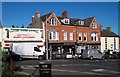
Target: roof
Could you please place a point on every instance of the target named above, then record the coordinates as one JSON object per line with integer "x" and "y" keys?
{"x": 43, "y": 18}
{"x": 73, "y": 21}
{"x": 88, "y": 20}
{"x": 107, "y": 33}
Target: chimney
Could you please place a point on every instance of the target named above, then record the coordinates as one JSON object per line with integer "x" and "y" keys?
{"x": 38, "y": 14}
{"x": 65, "y": 14}
{"x": 0, "y": 24}
{"x": 109, "y": 29}
{"x": 101, "y": 28}
{"x": 33, "y": 19}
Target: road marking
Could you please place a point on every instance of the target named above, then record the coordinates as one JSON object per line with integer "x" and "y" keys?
{"x": 98, "y": 70}
{"x": 90, "y": 73}
{"x": 105, "y": 70}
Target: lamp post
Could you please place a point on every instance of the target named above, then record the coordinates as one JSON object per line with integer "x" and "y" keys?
{"x": 46, "y": 40}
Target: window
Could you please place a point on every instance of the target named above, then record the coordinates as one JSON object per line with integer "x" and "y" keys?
{"x": 66, "y": 21}
{"x": 94, "y": 36}
{"x": 80, "y": 36}
{"x": 65, "y": 35}
{"x": 114, "y": 43}
{"x": 94, "y": 25}
{"x": 54, "y": 35}
{"x": 81, "y": 22}
{"x": 85, "y": 36}
{"x": 105, "y": 43}
{"x": 7, "y": 33}
{"x": 52, "y": 21}
{"x": 71, "y": 35}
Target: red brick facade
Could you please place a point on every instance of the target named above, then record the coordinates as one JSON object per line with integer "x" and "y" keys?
{"x": 76, "y": 26}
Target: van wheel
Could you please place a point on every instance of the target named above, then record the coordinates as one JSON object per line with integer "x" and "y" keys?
{"x": 91, "y": 58}
{"x": 40, "y": 57}
{"x": 20, "y": 59}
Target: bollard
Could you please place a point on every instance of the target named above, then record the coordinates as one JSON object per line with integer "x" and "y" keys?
{"x": 45, "y": 69}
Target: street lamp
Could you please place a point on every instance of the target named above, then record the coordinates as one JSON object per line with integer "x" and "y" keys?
{"x": 46, "y": 40}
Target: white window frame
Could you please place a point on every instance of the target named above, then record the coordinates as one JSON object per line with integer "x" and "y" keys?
{"x": 80, "y": 35}
{"x": 81, "y": 22}
{"x": 54, "y": 35}
{"x": 94, "y": 35}
{"x": 67, "y": 21}
{"x": 71, "y": 35}
{"x": 65, "y": 35}
{"x": 94, "y": 24}
{"x": 53, "y": 21}
{"x": 85, "y": 35}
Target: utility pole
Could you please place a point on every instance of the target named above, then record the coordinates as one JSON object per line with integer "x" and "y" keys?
{"x": 46, "y": 40}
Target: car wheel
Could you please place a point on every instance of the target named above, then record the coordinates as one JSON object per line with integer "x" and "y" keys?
{"x": 91, "y": 58}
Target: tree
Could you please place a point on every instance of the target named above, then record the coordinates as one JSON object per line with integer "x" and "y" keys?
{"x": 22, "y": 26}
{"x": 13, "y": 26}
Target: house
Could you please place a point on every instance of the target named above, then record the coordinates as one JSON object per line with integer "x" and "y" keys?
{"x": 69, "y": 35}
{"x": 22, "y": 35}
{"x": 109, "y": 40}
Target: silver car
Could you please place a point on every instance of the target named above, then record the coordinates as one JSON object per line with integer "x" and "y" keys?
{"x": 92, "y": 54}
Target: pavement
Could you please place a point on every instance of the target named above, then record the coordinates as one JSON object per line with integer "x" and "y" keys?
{"x": 73, "y": 67}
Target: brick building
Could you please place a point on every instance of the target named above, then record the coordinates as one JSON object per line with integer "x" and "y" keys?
{"x": 68, "y": 35}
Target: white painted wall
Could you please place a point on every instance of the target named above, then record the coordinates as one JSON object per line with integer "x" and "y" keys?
{"x": 0, "y": 34}
{"x": 110, "y": 40}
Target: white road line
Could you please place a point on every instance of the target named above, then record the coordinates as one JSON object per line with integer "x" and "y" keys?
{"x": 91, "y": 73}
{"x": 105, "y": 70}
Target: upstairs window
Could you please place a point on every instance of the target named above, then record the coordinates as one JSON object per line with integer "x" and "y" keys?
{"x": 81, "y": 22}
{"x": 53, "y": 21}
{"x": 94, "y": 24}
{"x": 65, "y": 35}
{"x": 66, "y": 21}
{"x": 71, "y": 35}
{"x": 53, "y": 35}
{"x": 80, "y": 36}
{"x": 85, "y": 36}
{"x": 94, "y": 36}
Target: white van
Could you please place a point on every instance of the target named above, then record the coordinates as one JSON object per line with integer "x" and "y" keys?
{"x": 92, "y": 54}
{"x": 26, "y": 50}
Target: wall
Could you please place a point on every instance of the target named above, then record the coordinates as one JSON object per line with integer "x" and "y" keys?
{"x": 110, "y": 40}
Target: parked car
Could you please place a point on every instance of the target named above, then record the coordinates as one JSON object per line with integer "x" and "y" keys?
{"x": 69, "y": 56}
{"x": 92, "y": 54}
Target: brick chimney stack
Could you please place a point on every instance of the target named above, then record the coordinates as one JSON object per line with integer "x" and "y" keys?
{"x": 65, "y": 14}
{"x": 109, "y": 29}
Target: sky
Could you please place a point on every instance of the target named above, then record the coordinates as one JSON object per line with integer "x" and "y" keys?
{"x": 18, "y": 13}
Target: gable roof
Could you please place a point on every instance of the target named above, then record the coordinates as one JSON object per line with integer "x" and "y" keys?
{"x": 107, "y": 33}
{"x": 88, "y": 20}
{"x": 43, "y": 18}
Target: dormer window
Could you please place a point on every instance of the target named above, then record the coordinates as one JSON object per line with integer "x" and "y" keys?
{"x": 81, "y": 22}
{"x": 94, "y": 25}
{"x": 66, "y": 21}
{"x": 52, "y": 21}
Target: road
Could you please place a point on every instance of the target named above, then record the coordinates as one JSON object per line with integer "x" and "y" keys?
{"x": 74, "y": 67}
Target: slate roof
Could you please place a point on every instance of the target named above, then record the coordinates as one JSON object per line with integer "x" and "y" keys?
{"x": 88, "y": 20}
{"x": 43, "y": 18}
{"x": 73, "y": 21}
{"x": 107, "y": 33}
